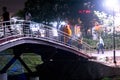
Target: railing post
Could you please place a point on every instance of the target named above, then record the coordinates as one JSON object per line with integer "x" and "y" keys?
{"x": 4, "y": 30}
{"x": 3, "y": 76}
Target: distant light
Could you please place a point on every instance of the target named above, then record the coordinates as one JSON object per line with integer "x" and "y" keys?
{"x": 87, "y": 11}
{"x": 55, "y": 33}
{"x": 63, "y": 23}
{"x": 14, "y": 19}
{"x": 113, "y": 4}
{"x": 54, "y": 24}
{"x": 34, "y": 27}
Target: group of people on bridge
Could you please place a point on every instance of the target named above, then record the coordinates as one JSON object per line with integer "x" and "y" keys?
{"x": 67, "y": 29}
{"x": 72, "y": 33}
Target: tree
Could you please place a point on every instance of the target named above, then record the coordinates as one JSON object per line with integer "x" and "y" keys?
{"x": 46, "y": 11}
{"x": 52, "y": 10}
{"x": 20, "y": 13}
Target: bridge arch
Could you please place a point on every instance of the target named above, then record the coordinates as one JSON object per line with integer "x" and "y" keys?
{"x": 49, "y": 48}
{"x": 40, "y": 41}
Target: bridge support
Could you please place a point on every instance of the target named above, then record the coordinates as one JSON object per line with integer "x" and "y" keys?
{"x": 17, "y": 55}
{"x": 34, "y": 78}
{"x": 3, "y": 76}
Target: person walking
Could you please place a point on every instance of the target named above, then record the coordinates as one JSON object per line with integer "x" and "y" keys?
{"x": 28, "y": 16}
{"x": 67, "y": 37}
{"x": 100, "y": 45}
{"x": 80, "y": 43}
{"x": 6, "y": 19}
{"x": 27, "y": 22}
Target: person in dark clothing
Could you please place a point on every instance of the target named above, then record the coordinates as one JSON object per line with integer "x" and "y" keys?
{"x": 5, "y": 14}
{"x": 26, "y": 27}
{"x": 6, "y": 17}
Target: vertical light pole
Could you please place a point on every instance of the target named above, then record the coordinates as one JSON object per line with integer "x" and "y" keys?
{"x": 114, "y": 46}
{"x": 113, "y": 4}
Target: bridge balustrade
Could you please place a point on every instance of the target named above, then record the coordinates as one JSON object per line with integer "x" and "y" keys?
{"x": 22, "y": 28}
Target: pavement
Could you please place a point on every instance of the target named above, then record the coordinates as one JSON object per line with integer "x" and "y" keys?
{"x": 107, "y": 58}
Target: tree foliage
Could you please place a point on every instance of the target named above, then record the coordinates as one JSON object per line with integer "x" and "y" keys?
{"x": 52, "y": 10}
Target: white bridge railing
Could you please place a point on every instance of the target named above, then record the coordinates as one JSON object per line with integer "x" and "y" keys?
{"x": 38, "y": 30}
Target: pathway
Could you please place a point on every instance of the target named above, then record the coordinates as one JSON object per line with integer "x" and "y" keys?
{"x": 107, "y": 57}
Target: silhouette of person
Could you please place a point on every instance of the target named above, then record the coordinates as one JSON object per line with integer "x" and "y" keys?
{"x": 27, "y": 16}
{"x": 6, "y": 17}
{"x": 26, "y": 27}
{"x": 5, "y": 14}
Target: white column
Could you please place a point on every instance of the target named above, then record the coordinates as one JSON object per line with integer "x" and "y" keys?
{"x": 3, "y": 76}
{"x": 34, "y": 78}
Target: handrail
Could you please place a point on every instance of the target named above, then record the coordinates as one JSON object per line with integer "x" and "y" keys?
{"x": 38, "y": 30}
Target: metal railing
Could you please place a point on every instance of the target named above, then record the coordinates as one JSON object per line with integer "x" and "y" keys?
{"x": 38, "y": 30}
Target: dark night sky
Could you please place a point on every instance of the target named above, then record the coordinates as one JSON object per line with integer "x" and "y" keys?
{"x": 12, "y": 5}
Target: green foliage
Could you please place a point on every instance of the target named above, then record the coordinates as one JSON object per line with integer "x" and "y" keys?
{"x": 20, "y": 13}
{"x": 90, "y": 42}
{"x": 32, "y": 61}
{"x": 105, "y": 18}
{"x": 4, "y": 59}
{"x": 108, "y": 42}
{"x": 106, "y": 78}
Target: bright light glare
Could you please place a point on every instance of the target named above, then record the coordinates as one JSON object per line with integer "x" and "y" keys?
{"x": 55, "y": 33}
{"x": 34, "y": 27}
{"x": 54, "y": 24}
{"x": 14, "y": 19}
{"x": 113, "y": 4}
{"x": 63, "y": 23}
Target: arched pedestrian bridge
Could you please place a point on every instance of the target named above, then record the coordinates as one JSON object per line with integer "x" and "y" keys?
{"x": 53, "y": 45}
{"x": 26, "y": 32}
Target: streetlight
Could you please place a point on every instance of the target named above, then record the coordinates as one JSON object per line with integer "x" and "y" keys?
{"x": 113, "y": 4}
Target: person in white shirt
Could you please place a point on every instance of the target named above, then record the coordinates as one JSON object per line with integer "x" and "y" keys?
{"x": 100, "y": 45}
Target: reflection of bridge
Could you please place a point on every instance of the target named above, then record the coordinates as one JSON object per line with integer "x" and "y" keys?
{"x": 26, "y": 37}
